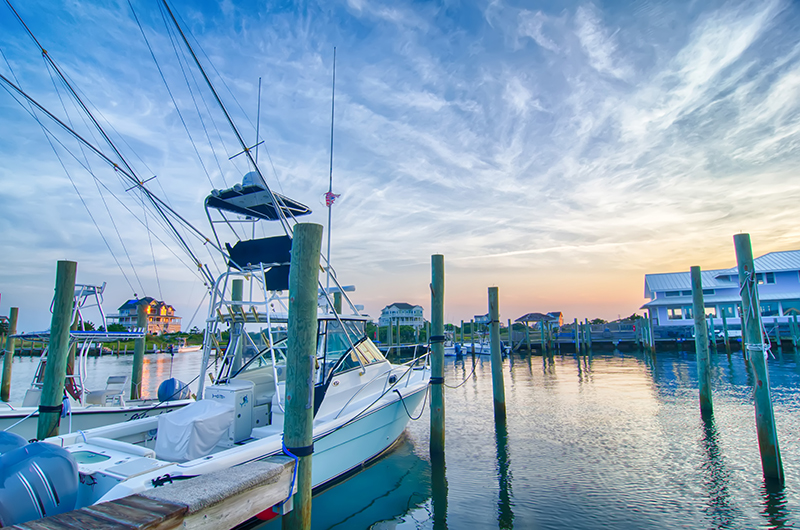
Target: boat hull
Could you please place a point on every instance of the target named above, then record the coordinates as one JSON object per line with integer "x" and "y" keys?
{"x": 84, "y": 418}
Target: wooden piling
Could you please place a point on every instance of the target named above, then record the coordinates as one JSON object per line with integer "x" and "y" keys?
{"x": 139, "y": 347}
{"x": 725, "y": 333}
{"x": 498, "y": 390}
{"x": 437, "y": 355}
{"x": 795, "y": 331}
{"x": 542, "y": 338}
{"x": 778, "y": 335}
{"x": 701, "y": 344}
{"x": 5, "y": 389}
{"x": 462, "y": 333}
{"x": 528, "y": 336}
{"x": 55, "y": 369}
{"x": 588, "y": 336}
{"x": 578, "y": 347}
{"x": 712, "y": 334}
{"x": 753, "y": 344}
{"x": 472, "y": 338}
{"x": 337, "y": 302}
{"x": 301, "y": 346}
{"x": 651, "y": 331}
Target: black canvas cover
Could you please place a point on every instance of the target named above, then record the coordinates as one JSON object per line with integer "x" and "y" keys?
{"x": 267, "y": 250}
{"x": 277, "y": 278}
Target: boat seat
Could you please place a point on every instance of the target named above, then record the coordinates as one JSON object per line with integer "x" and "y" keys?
{"x": 113, "y": 393}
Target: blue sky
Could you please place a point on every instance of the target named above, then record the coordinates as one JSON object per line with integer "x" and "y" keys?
{"x": 559, "y": 153}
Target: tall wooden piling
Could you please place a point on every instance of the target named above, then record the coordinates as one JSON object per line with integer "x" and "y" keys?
{"x": 437, "y": 354}
{"x": 301, "y": 346}
{"x": 472, "y": 338}
{"x": 542, "y": 337}
{"x": 795, "y": 331}
{"x": 510, "y": 336}
{"x": 55, "y": 369}
{"x": 701, "y": 343}
{"x": 578, "y": 346}
{"x": 778, "y": 335}
{"x": 5, "y": 389}
{"x": 498, "y": 390}
{"x": 753, "y": 344}
{"x": 462, "y": 333}
{"x": 725, "y": 333}
{"x": 651, "y": 330}
{"x": 139, "y": 347}
{"x": 588, "y": 336}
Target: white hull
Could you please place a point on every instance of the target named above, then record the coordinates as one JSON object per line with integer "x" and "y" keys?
{"x": 341, "y": 444}
{"x": 83, "y": 418}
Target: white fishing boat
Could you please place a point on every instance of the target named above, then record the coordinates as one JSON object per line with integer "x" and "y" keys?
{"x": 84, "y": 408}
{"x": 361, "y": 401}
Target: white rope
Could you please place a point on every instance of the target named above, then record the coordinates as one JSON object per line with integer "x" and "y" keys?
{"x": 753, "y": 313}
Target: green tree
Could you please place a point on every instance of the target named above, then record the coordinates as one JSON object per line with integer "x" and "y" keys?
{"x": 116, "y": 327}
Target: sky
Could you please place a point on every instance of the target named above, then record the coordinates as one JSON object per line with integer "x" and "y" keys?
{"x": 559, "y": 151}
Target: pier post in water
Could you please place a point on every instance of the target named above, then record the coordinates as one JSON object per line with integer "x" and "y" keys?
{"x": 712, "y": 334}
{"x": 462, "y": 333}
{"x": 437, "y": 355}
{"x": 778, "y": 335}
{"x": 725, "y": 333}
{"x": 753, "y": 345}
{"x": 528, "y": 336}
{"x": 795, "y": 331}
{"x": 651, "y": 331}
{"x": 138, "y": 353}
{"x": 5, "y": 390}
{"x": 701, "y": 343}
{"x": 588, "y": 336}
{"x": 510, "y": 336}
{"x": 301, "y": 347}
{"x": 578, "y": 347}
{"x": 498, "y": 391}
{"x": 55, "y": 370}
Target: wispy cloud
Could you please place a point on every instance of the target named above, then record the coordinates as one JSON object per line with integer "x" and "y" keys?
{"x": 534, "y": 148}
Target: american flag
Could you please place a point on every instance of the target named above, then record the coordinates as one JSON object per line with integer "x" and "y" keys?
{"x": 330, "y": 197}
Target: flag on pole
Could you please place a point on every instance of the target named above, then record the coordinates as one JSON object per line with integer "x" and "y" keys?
{"x": 330, "y": 197}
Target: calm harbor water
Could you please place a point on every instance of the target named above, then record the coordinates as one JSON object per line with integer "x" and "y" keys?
{"x": 612, "y": 441}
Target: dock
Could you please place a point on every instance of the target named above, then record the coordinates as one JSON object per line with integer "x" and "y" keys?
{"x": 222, "y": 499}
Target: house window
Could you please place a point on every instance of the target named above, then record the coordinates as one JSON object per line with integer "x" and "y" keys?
{"x": 769, "y": 309}
{"x": 711, "y": 311}
{"x": 729, "y": 310}
{"x": 768, "y": 277}
{"x": 674, "y": 313}
{"x": 708, "y": 291}
{"x": 791, "y": 307}
{"x": 687, "y": 312}
{"x": 670, "y": 294}
{"x": 686, "y": 293}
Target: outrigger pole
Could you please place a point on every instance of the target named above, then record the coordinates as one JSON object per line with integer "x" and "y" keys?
{"x": 278, "y": 206}
{"x": 329, "y": 197}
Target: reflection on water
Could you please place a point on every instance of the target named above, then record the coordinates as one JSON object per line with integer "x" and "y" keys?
{"x": 439, "y": 487}
{"x": 505, "y": 515}
{"x": 609, "y": 441}
{"x": 601, "y": 441}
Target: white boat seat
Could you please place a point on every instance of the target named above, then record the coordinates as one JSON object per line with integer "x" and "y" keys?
{"x": 113, "y": 393}
{"x": 192, "y": 431}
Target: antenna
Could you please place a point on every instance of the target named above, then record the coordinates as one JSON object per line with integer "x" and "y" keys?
{"x": 258, "y": 116}
{"x": 330, "y": 197}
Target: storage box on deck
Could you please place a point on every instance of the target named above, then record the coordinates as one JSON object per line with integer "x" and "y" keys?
{"x": 237, "y": 394}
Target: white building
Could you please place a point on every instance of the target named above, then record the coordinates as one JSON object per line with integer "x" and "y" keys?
{"x": 402, "y": 313}
{"x": 778, "y": 275}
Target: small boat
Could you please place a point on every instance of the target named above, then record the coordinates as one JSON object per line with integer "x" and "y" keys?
{"x": 84, "y": 408}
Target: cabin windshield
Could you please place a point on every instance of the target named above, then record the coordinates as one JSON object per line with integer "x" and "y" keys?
{"x": 256, "y": 359}
{"x": 342, "y": 347}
